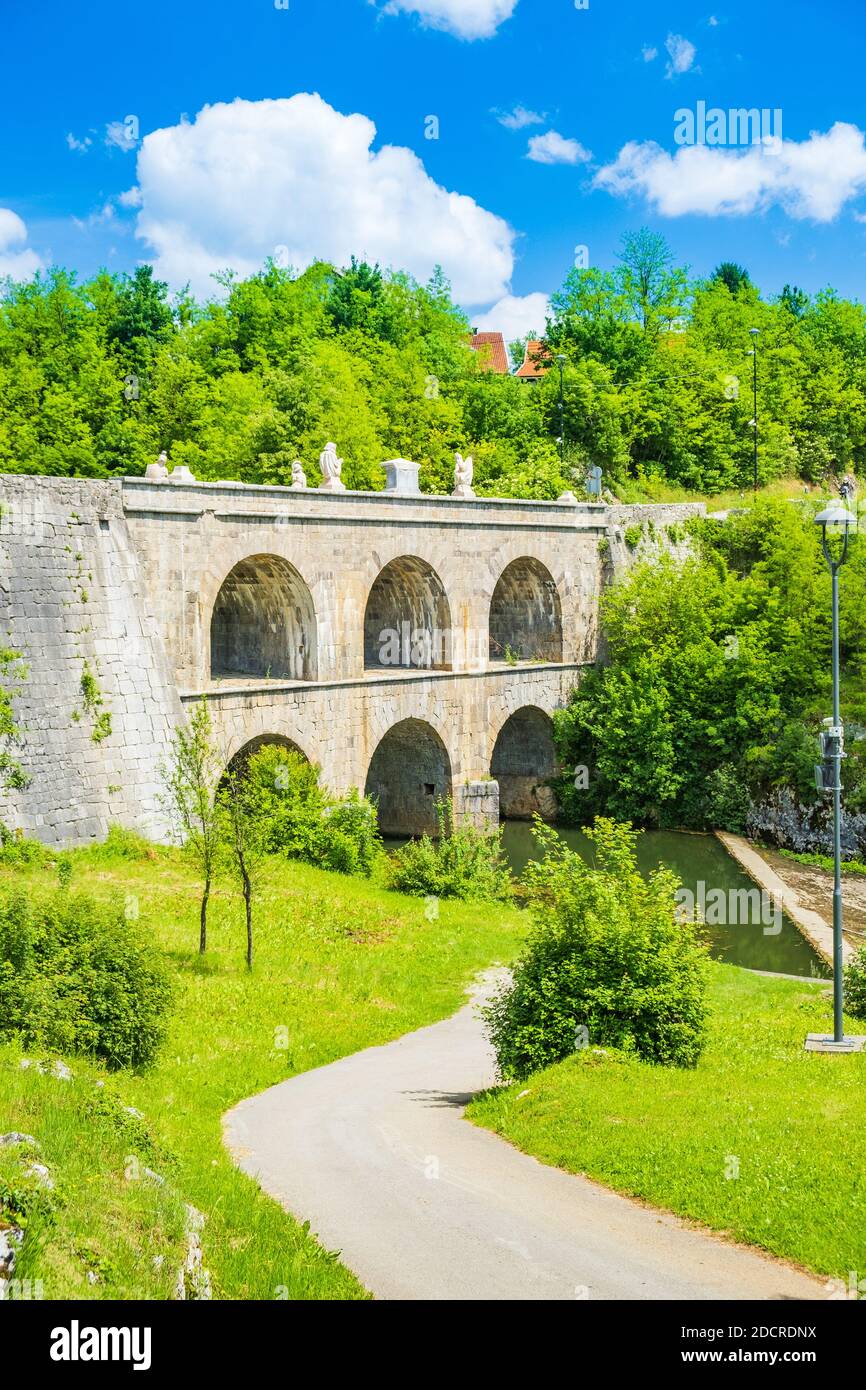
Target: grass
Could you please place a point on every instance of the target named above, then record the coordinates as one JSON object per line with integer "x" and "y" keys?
{"x": 660, "y": 490}
{"x": 761, "y": 1141}
{"x": 823, "y": 861}
{"x": 341, "y": 964}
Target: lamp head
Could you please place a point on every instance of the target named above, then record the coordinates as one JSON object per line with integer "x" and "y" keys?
{"x": 836, "y": 520}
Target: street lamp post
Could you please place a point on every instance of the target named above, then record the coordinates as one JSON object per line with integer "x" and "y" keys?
{"x": 754, "y": 356}
{"x": 835, "y": 521}
{"x": 560, "y": 357}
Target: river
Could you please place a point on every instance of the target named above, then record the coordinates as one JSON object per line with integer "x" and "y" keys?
{"x": 765, "y": 941}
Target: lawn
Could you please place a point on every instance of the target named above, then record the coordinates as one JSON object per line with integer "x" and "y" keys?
{"x": 341, "y": 964}
{"x": 761, "y": 1141}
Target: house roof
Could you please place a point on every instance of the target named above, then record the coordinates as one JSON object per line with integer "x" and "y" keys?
{"x": 536, "y": 361}
{"x": 497, "y": 356}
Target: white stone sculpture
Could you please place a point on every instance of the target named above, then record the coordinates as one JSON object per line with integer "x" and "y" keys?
{"x": 463, "y": 469}
{"x": 331, "y": 468}
{"x": 299, "y": 477}
{"x": 158, "y": 472}
{"x": 566, "y": 497}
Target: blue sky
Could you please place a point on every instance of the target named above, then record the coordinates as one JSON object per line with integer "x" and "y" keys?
{"x": 501, "y": 199}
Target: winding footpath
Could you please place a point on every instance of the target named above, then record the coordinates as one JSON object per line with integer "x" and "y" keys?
{"x": 373, "y": 1150}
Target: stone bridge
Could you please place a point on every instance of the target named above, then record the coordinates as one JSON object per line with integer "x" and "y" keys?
{"x": 413, "y": 646}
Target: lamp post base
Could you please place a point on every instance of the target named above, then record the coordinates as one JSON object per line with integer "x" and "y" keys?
{"x": 825, "y": 1042}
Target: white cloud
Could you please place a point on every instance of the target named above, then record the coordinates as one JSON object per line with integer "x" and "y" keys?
{"x": 519, "y": 118}
{"x": 681, "y": 53}
{"x": 20, "y": 264}
{"x": 467, "y": 19}
{"x": 649, "y": 54}
{"x": 553, "y": 148}
{"x": 712, "y": 21}
{"x": 811, "y": 178}
{"x": 131, "y": 198}
{"x": 248, "y": 177}
{"x": 122, "y": 135}
{"x": 79, "y": 146}
{"x": 514, "y": 316}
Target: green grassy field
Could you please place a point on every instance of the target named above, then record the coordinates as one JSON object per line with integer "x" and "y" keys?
{"x": 761, "y": 1141}
{"x": 341, "y": 964}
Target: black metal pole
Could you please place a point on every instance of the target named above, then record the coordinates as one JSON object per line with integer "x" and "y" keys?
{"x": 561, "y": 421}
{"x": 838, "y": 1029}
{"x": 755, "y": 404}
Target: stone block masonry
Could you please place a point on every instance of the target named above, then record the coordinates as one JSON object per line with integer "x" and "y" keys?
{"x": 412, "y": 646}
{"x": 98, "y": 705}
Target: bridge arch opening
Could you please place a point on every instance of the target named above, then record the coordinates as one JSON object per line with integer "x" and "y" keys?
{"x": 409, "y": 772}
{"x": 524, "y": 759}
{"x": 263, "y": 623}
{"x": 407, "y": 620}
{"x": 525, "y": 614}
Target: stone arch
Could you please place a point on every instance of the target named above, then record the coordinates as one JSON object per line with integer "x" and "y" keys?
{"x": 523, "y": 761}
{"x": 409, "y": 772}
{"x": 263, "y": 622}
{"x": 407, "y": 619}
{"x": 526, "y": 613}
{"x": 243, "y": 754}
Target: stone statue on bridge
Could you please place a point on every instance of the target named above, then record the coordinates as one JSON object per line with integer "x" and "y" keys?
{"x": 299, "y": 477}
{"x": 463, "y": 470}
{"x": 331, "y": 468}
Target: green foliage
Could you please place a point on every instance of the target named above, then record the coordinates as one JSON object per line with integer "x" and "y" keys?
{"x": 855, "y": 985}
{"x": 716, "y": 678}
{"x": 77, "y": 976}
{"x": 608, "y": 954}
{"x": 15, "y": 848}
{"x": 192, "y": 781}
{"x": 463, "y": 862}
{"x": 95, "y": 378}
{"x": 13, "y": 669}
{"x": 633, "y": 536}
{"x": 301, "y": 820}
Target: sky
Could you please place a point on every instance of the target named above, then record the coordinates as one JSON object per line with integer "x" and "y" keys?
{"x": 505, "y": 140}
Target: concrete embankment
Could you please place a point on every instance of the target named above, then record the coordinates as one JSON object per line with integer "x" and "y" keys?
{"x": 812, "y": 924}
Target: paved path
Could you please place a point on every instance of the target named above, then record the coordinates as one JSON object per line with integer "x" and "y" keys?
{"x": 374, "y": 1151}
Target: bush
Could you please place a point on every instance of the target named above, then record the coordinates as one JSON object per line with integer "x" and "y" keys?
{"x": 463, "y": 862}
{"x": 350, "y": 834}
{"x": 15, "y": 849}
{"x": 855, "y": 985}
{"x": 302, "y": 822}
{"x": 607, "y": 953}
{"x": 76, "y": 976}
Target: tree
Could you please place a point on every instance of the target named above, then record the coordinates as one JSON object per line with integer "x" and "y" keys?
{"x": 657, "y": 293}
{"x": 732, "y": 275}
{"x": 247, "y": 829}
{"x": 192, "y": 781}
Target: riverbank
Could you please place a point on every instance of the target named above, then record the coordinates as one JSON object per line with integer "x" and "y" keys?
{"x": 806, "y": 894}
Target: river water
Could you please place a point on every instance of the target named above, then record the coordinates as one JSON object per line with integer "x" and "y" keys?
{"x": 771, "y": 942}
{"x": 766, "y": 940}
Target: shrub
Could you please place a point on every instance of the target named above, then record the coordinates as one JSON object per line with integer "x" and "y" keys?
{"x": 76, "y": 976}
{"x": 350, "y": 833}
{"x": 633, "y": 536}
{"x": 607, "y": 953}
{"x": 463, "y": 862}
{"x": 287, "y": 795}
{"x": 855, "y": 985}
{"x": 123, "y": 843}
{"x": 16, "y": 849}
{"x": 301, "y": 822}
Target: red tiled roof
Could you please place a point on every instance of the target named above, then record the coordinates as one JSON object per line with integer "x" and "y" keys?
{"x": 494, "y": 343}
{"x": 536, "y": 360}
